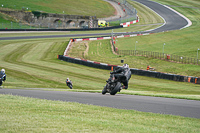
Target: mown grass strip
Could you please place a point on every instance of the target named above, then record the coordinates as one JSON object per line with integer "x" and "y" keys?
{"x": 21, "y": 114}
{"x": 44, "y": 67}
{"x": 91, "y": 7}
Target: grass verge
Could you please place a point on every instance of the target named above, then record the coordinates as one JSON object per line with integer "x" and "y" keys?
{"x": 21, "y": 114}
{"x": 89, "y": 8}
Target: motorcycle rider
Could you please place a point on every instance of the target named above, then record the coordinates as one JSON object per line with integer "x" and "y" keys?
{"x": 68, "y": 82}
{"x": 2, "y": 76}
{"x": 124, "y": 74}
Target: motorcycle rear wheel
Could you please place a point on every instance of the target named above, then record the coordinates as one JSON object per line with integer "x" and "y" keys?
{"x": 116, "y": 89}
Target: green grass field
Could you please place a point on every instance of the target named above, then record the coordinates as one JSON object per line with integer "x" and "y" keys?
{"x": 34, "y": 64}
{"x": 21, "y": 114}
{"x": 97, "y": 8}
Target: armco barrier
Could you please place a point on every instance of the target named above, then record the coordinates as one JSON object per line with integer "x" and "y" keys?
{"x": 179, "y": 78}
{"x": 127, "y": 24}
{"x": 87, "y": 62}
{"x": 154, "y": 74}
{"x": 197, "y": 81}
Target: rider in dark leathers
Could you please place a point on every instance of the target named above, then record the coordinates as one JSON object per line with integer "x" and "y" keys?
{"x": 124, "y": 74}
{"x": 2, "y": 76}
{"x": 68, "y": 82}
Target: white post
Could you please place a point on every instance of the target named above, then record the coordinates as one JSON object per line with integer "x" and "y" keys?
{"x": 197, "y": 55}
{"x": 163, "y": 47}
{"x": 163, "y": 51}
{"x": 135, "y": 46}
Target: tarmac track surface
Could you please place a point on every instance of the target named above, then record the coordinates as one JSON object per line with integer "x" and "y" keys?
{"x": 173, "y": 20}
{"x": 181, "y": 107}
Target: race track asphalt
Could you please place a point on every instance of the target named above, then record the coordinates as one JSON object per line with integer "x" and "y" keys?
{"x": 173, "y": 21}
{"x": 181, "y": 107}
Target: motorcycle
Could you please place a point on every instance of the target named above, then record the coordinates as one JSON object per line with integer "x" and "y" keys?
{"x": 113, "y": 85}
{"x": 69, "y": 84}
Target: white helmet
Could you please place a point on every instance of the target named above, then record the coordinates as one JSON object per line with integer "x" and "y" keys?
{"x": 67, "y": 78}
{"x": 3, "y": 70}
{"x": 125, "y": 66}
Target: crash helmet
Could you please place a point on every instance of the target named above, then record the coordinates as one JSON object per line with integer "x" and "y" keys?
{"x": 67, "y": 78}
{"x": 3, "y": 70}
{"x": 125, "y": 66}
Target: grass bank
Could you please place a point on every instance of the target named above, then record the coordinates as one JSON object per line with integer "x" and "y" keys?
{"x": 97, "y": 8}
{"x": 21, "y": 114}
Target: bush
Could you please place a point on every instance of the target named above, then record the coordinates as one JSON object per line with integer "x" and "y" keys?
{"x": 36, "y": 13}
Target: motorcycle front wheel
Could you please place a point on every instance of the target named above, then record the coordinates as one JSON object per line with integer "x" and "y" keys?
{"x": 70, "y": 86}
{"x": 104, "y": 90}
{"x": 116, "y": 89}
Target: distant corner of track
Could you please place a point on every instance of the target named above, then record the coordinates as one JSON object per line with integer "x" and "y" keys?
{"x": 188, "y": 20}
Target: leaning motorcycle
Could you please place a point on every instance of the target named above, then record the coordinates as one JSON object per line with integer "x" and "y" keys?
{"x": 113, "y": 85}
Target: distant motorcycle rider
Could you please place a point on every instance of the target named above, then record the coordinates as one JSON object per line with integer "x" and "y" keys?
{"x": 124, "y": 74}
{"x": 69, "y": 83}
{"x": 2, "y": 76}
